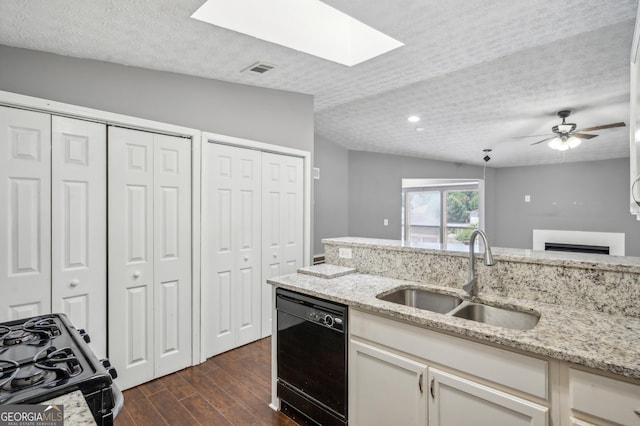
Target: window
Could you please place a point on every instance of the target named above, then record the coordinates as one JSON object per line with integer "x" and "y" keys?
{"x": 442, "y": 212}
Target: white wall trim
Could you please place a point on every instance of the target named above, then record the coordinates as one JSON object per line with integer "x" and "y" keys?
{"x": 613, "y": 240}
{"x": 251, "y": 144}
{"x": 16, "y": 100}
{"x": 109, "y": 118}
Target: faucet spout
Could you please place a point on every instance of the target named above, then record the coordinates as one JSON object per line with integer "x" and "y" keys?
{"x": 471, "y": 286}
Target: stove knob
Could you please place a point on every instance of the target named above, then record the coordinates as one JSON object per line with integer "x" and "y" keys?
{"x": 84, "y": 335}
{"x": 112, "y": 372}
{"x": 107, "y": 365}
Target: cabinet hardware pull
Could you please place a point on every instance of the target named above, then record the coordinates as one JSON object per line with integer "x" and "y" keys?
{"x": 433, "y": 379}
{"x": 420, "y": 383}
{"x": 74, "y": 283}
{"x": 136, "y": 274}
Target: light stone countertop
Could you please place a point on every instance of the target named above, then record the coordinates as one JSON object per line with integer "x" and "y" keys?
{"x": 605, "y": 342}
{"x": 76, "y": 410}
{"x": 552, "y": 258}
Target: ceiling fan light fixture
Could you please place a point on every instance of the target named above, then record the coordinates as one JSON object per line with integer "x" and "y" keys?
{"x": 573, "y": 142}
{"x": 556, "y": 143}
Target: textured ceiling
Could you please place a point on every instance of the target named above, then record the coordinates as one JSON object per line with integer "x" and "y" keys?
{"x": 478, "y": 72}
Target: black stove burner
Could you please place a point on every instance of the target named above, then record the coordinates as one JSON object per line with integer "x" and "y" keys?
{"x": 18, "y": 337}
{"x": 28, "y": 376}
{"x": 45, "y": 327}
{"x": 8, "y": 370}
{"x": 33, "y": 331}
{"x": 61, "y": 361}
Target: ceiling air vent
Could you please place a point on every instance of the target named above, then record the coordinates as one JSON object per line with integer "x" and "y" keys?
{"x": 259, "y": 68}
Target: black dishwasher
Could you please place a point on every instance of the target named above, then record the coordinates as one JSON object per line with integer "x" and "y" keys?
{"x": 312, "y": 358}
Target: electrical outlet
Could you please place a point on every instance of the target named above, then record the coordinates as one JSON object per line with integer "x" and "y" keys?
{"x": 386, "y": 222}
{"x": 345, "y": 253}
{"x": 527, "y": 198}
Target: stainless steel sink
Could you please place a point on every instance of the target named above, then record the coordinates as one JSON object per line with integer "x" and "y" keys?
{"x": 500, "y": 317}
{"x": 422, "y": 299}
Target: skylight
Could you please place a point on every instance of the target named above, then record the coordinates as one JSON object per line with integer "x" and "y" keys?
{"x": 309, "y": 26}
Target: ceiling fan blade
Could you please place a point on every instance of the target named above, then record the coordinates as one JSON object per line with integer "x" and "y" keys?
{"x": 532, "y": 136}
{"x": 583, "y": 135}
{"x": 544, "y": 140}
{"x": 606, "y": 126}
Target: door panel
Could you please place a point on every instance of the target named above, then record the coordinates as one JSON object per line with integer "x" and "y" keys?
{"x": 231, "y": 246}
{"x": 172, "y": 253}
{"x": 131, "y": 263}
{"x": 386, "y": 388}
{"x": 25, "y": 212}
{"x": 458, "y": 401}
{"x": 79, "y": 232}
{"x": 282, "y": 223}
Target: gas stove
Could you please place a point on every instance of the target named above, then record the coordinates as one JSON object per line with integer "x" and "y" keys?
{"x": 45, "y": 356}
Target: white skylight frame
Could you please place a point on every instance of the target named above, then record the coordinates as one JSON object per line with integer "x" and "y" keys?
{"x": 309, "y": 26}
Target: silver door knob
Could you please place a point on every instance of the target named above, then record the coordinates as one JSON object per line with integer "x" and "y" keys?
{"x": 275, "y": 255}
{"x": 136, "y": 274}
{"x": 74, "y": 283}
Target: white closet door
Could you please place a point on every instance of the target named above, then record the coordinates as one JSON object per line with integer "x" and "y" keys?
{"x": 172, "y": 253}
{"x": 25, "y": 213}
{"x": 79, "y": 231}
{"x": 282, "y": 223}
{"x": 131, "y": 257}
{"x": 231, "y": 256}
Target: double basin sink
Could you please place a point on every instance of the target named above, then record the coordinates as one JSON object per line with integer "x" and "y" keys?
{"x": 456, "y": 307}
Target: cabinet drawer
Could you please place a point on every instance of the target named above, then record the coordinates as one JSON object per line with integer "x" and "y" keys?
{"x": 516, "y": 371}
{"x": 605, "y": 398}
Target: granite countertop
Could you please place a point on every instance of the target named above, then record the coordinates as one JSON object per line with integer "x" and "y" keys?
{"x": 76, "y": 410}
{"x": 605, "y": 342}
{"x": 552, "y": 258}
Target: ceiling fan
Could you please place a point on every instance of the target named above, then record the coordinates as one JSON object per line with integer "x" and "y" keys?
{"x": 565, "y": 136}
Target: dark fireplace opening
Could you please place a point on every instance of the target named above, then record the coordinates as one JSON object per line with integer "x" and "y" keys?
{"x": 576, "y": 248}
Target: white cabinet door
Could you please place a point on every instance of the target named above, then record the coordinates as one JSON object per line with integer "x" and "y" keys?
{"x": 457, "y": 401}
{"x": 25, "y": 213}
{"x": 172, "y": 253}
{"x": 385, "y": 388}
{"x": 149, "y": 254}
{"x": 231, "y": 283}
{"x": 596, "y": 398}
{"x": 79, "y": 231}
{"x": 282, "y": 223}
{"x": 131, "y": 261}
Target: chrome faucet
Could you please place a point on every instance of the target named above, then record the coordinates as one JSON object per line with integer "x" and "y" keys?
{"x": 471, "y": 287}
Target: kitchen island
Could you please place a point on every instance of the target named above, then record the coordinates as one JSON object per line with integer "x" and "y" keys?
{"x": 570, "y": 339}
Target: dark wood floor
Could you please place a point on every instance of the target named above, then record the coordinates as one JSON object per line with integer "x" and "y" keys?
{"x": 233, "y": 388}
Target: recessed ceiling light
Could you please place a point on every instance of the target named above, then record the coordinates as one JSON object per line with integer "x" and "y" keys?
{"x": 309, "y": 26}
{"x": 413, "y": 119}
{"x": 419, "y": 129}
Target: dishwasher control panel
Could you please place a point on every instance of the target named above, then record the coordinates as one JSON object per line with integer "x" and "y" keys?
{"x": 325, "y": 318}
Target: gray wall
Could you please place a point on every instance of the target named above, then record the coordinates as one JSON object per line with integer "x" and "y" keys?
{"x": 585, "y": 196}
{"x": 331, "y": 192}
{"x": 271, "y": 116}
{"x": 375, "y": 188}
{"x": 265, "y": 115}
